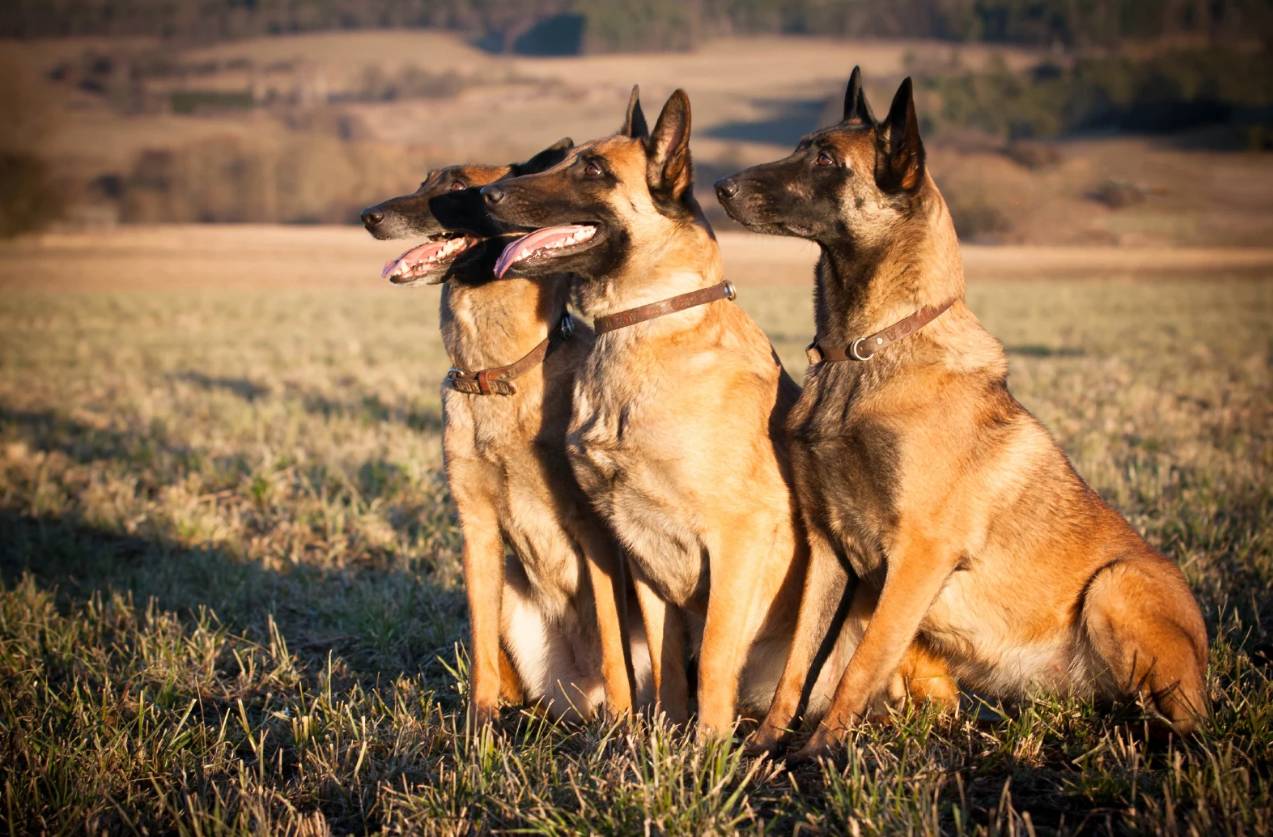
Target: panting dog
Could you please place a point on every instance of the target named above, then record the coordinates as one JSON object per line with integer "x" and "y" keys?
{"x": 677, "y": 426}
{"x": 548, "y": 622}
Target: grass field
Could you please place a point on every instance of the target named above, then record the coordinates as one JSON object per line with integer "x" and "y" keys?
{"x": 230, "y": 593}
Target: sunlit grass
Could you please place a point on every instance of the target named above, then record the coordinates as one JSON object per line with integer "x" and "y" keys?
{"x": 231, "y": 591}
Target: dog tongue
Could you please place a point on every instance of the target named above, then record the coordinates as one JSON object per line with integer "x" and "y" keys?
{"x": 526, "y": 245}
{"x": 413, "y": 256}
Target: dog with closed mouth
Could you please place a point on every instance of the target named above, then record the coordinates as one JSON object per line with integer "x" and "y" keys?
{"x": 548, "y": 622}
{"x": 676, "y": 434}
{"x": 915, "y": 464}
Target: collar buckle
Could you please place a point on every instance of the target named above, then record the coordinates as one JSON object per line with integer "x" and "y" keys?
{"x": 855, "y": 351}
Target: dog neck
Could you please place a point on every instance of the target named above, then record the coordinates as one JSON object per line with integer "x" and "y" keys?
{"x": 684, "y": 259}
{"x": 861, "y": 290}
{"x": 498, "y": 321}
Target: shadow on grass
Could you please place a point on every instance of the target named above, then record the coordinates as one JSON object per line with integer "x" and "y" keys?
{"x": 47, "y": 430}
{"x": 242, "y": 387}
{"x": 992, "y": 786}
{"x": 373, "y": 408}
{"x": 368, "y": 406}
{"x": 151, "y": 447}
{"x": 381, "y": 623}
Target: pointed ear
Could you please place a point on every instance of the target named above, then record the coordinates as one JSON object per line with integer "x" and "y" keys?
{"x": 669, "y": 171}
{"x": 634, "y": 123}
{"x": 546, "y": 159}
{"x": 899, "y": 157}
{"x": 857, "y": 110}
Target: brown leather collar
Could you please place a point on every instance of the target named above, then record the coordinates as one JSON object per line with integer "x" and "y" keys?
{"x": 498, "y": 379}
{"x": 863, "y": 348}
{"x": 725, "y": 290}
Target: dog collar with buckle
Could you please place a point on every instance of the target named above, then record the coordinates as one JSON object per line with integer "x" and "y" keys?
{"x": 498, "y": 379}
{"x": 623, "y": 319}
{"x": 863, "y": 348}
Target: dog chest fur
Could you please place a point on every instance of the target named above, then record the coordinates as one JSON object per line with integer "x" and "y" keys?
{"x": 649, "y": 500}
{"x": 521, "y": 486}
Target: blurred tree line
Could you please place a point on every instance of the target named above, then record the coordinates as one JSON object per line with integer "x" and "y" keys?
{"x": 656, "y": 24}
{"x": 1171, "y": 90}
{"x": 29, "y": 195}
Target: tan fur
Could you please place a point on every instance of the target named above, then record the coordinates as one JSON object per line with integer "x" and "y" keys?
{"x": 677, "y": 438}
{"x": 552, "y": 612}
{"x": 559, "y": 607}
{"x": 996, "y": 556}
{"x": 674, "y": 438}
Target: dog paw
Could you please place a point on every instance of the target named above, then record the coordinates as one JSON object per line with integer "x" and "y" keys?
{"x": 765, "y": 741}
{"x": 820, "y": 744}
{"x": 481, "y": 716}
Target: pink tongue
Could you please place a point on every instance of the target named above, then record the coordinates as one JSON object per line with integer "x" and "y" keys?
{"x": 415, "y": 254}
{"x": 527, "y": 244}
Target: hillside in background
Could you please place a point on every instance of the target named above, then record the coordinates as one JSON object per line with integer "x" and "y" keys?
{"x": 1161, "y": 141}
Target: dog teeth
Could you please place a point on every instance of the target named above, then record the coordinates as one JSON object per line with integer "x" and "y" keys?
{"x": 542, "y": 241}
{"x": 582, "y": 234}
{"x": 407, "y": 265}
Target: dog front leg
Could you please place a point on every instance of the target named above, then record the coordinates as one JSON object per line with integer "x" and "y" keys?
{"x": 917, "y": 569}
{"x": 743, "y": 575}
{"x": 665, "y": 634}
{"x": 484, "y": 587}
{"x": 605, "y": 570}
{"x": 825, "y": 582}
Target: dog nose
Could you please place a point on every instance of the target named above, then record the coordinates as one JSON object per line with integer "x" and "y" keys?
{"x": 372, "y": 218}
{"x": 726, "y": 187}
{"x": 492, "y": 195}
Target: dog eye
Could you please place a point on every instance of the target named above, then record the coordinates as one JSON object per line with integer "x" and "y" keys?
{"x": 592, "y": 168}
{"x": 457, "y": 185}
{"x": 824, "y": 159}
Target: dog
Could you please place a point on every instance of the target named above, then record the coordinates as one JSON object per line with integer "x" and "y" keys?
{"x": 548, "y": 623}
{"x": 677, "y": 431}
{"x": 914, "y": 462}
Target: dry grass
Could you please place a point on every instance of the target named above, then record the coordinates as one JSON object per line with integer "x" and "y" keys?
{"x": 240, "y": 257}
{"x": 229, "y": 569}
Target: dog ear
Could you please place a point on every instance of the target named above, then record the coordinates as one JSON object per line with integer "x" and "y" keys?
{"x": 899, "y": 157}
{"x": 634, "y": 123}
{"x": 857, "y": 110}
{"x": 669, "y": 171}
{"x": 546, "y": 159}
